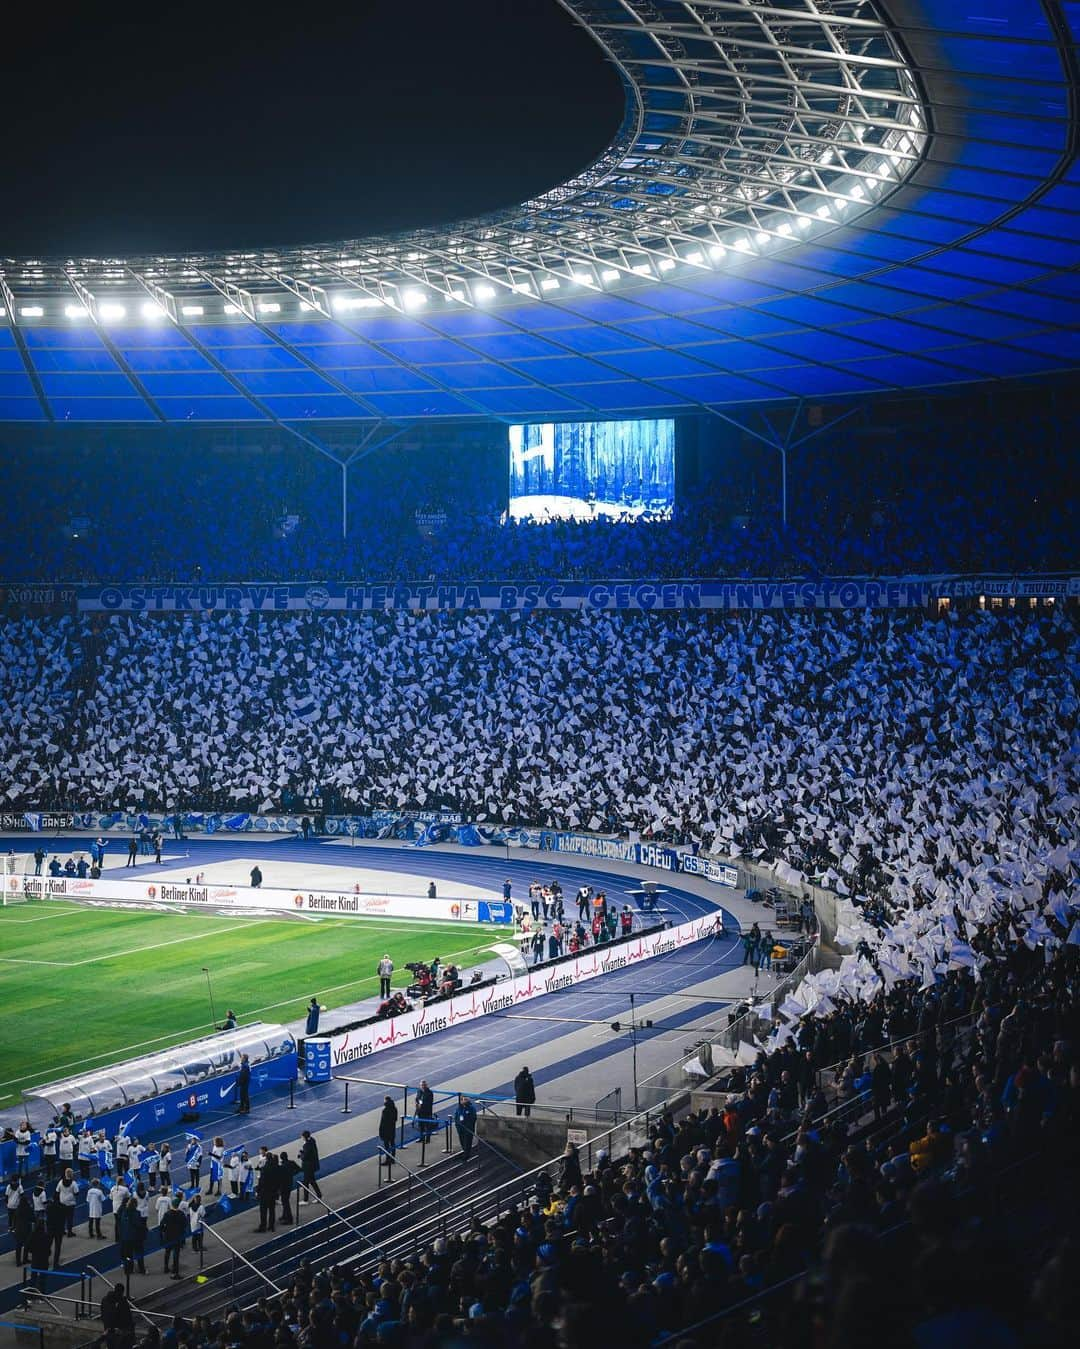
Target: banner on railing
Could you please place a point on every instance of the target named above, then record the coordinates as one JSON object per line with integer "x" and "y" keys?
{"x": 350, "y": 1046}
{"x": 835, "y": 592}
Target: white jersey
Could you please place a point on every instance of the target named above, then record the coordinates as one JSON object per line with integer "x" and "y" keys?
{"x": 95, "y": 1200}
{"x": 66, "y": 1147}
{"x": 162, "y": 1205}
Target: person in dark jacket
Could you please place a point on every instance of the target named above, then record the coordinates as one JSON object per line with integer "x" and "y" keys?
{"x": 56, "y": 1225}
{"x": 172, "y": 1230}
{"x": 243, "y": 1087}
{"x": 132, "y": 1227}
{"x": 40, "y": 1245}
{"x": 309, "y": 1165}
{"x": 268, "y": 1190}
{"x": 23, "y": 1227}
{"x": 424, "y": 1110}
{"x": 465, "y": 1124}
{"x": 569, "y": 1170}
{"x": 287, "y": 1173}
{"x": 116, "y": 1311}
{"x": 388, "y": 1126}
{"x": 312, "y": 1026}
{"x": 524, "y": 1093}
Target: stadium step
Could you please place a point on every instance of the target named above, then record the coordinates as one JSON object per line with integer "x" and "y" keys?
{"x": 384, "y": 1217}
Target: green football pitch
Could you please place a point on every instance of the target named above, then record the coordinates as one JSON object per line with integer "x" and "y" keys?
{"x": 83, "y": 987}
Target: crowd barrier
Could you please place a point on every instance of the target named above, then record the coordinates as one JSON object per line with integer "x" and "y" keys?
{"x": 364, "y": 1041}
{"x": 155, "y": 893}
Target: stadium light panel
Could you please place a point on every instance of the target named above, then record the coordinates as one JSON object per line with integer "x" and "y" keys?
{"x": 696, "y": 257}
{"x": 761, "y": 238}
{"x": 784, "y": 228}
{"x": 742, "y": 244}
{"x": 3, "y": 312}
{"x": 804, "y": 222}
{"x": 823, "y": 212}
{"x": 549, "y": 283}
{"x": 666, "y": 264}
{"x": 413, "y": 299}
{"x": 192, "y": 311}
{"x": 75, "y": 311}
{"x": 150, "y": 310}
{"x": 111, "y": 310}
{"x": 32, "y": 311}
{"x": 230, "y": 308}
{"x": 716, "y": 252}
{"x": 484, "y": 292}
{"x": 609, "y": 274}
{"x": 269, "y": 307}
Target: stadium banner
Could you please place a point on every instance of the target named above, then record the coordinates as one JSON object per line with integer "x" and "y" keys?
{"x": 36, "y": 821}
{"x": 31, "y": 597}
{"x": 157, "y": 893}
{"x": 347, "y": 1047}
{"x": 722, "y": 873}
{"x": 729, "y": 594}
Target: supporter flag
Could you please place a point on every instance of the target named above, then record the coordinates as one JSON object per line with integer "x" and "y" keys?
{"x": 303, "y": 708}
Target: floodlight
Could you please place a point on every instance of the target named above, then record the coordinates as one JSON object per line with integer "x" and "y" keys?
{"x": 823, "y": 212}
{"x": 804, "y": 222}
{"x": 151, "y": 310}
{"x": 642, "y": 269}
{"x": 583, "y": 278}
{"x": 3, "y": 312}
{"x": 414, "y": 298}
{"x": 230, "y": 308}
{"x": 716, "y": 252}
{"x": 666, "y": 264}
{"x": 761, "y": 238}
{"x": 784, "y": 228}
{"x": 269, "y": 307}
{"x": 192, "y": 311}
{"x": 858, "y": 192}
{"x": 32, "y": 311}
{"x": 111, "y": 310}
{"x": 549, "y": 283}
{"x": 74, "y": 311}
{"x": 305, "y": 308}
{"x": 484, "y": 292}
{"x": 696, "y": 257}
{"x": 742, "y": 243}
{"x": 458, "y": 295}
{"x": 610, "y": 274}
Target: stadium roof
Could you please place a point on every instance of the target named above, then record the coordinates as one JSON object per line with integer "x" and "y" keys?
{"x": 805, "y": 199}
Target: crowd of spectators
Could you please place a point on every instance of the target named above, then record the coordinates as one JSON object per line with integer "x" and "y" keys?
{"x": 438, "y": 512}
{"x": 933, "y": 1206}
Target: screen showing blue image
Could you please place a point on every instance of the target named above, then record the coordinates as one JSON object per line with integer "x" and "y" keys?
{"x": 585, "y": 470}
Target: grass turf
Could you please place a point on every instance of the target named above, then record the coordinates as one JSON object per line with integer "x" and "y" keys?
{"x": 85, "y": 987}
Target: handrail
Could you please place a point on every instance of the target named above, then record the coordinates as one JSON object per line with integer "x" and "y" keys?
{"x": 318, "y": 1199}
{"x": 146, "y": 1316}
{"x": 89, "y": 1302}
{"x": 243, "y": 1258}
{"x": 393, "y": 1161}
{"x": 522, "y": 1181}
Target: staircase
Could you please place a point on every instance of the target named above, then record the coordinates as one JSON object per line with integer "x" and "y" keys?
{"x": 391, "y": 1220}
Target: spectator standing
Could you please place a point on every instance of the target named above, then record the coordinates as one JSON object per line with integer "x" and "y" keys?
{"x": 424, "y": 1110}
{"x": 23, "y": 1137}
{"x": 465, "y": 1124}
{"x": 56, "y": 1226}
{"x": 243, "y": 1086}
{"x": 95, "y": 1204}
{"x": 287, "y": 1173}
{"x": 67, "y": 1191}
{"x": 388, "y": 1126}
{"x": 268, "y": 1190}
{"x": 385, "y": 972}
{"x": 256, "y": 877}
{"x": 524, "y": 1093}
{"x": 309, "y": 1165}
{"x": 172, "y": 1230}
{"x": 133, "y": 851}
{"x": 193, "y": 1161}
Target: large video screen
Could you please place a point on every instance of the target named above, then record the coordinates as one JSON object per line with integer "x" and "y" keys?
{"x": 588, "y": 470}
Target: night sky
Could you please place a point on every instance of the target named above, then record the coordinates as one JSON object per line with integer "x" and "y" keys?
{"x": 173, "y": 126}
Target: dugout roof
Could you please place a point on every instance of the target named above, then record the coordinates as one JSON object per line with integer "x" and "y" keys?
{"x": 806, "y": 198}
